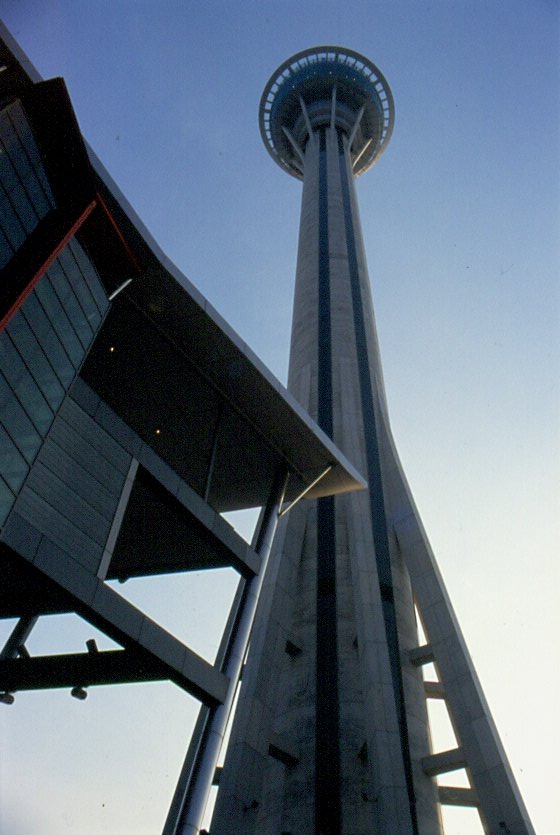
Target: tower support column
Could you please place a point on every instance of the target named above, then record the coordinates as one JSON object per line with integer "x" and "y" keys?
{"x": 331, "y": 734}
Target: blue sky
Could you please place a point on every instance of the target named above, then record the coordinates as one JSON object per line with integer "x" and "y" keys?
{"x": 461, "y": 227}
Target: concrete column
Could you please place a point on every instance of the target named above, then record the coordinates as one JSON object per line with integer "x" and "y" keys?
{"x": 278, "y": 701}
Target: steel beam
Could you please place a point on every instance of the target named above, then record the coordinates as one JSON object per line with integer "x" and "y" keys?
{"x": 443, "y": 762}
{"x": 455, "y": 796}
{"x": 19, "y": 636}
{"x": 86, "y": 669}
{"x": 434, "y": 690}
{"x": 200, "y": 781}
{"x": 421, "y": 655}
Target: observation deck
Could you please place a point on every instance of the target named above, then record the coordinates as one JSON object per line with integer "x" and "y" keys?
{"x": 320, "y": 87}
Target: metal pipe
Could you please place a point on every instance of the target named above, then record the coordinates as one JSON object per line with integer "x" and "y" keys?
{"x": 213, "y": 452}
{"x": 198, "y": 736}
{"x": 307, "y": 119}
{"x": 191, "y": 823}
{"x": 119, "y": 289}
{"x": 355, "y": 128}
{"x": 294, "y": 144}
{"x": 306, "y": 490}
{"x": 19, "y": 636}
{"x": 360, "y": 155}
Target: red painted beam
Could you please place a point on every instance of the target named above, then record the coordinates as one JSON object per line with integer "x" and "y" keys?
{"x": 46, "y": 264}
{"x": 118, "y": 232}
{"x": 39, "y": 273}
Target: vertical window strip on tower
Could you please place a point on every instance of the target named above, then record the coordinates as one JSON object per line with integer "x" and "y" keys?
{"x": 327, "y": 748}
{"x": 377, "y": 507}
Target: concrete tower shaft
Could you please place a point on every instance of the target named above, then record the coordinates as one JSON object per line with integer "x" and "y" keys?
{"x": 331, "y": 732}
{"x": 358, "y": 723}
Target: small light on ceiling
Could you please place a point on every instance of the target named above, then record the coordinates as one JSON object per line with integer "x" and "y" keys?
{"x": 112, "y": 348}
{"x": 158, "y": 431}
{"x": 79, "y": 693}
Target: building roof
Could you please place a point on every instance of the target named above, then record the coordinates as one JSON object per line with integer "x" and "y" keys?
{"x": 168, "y": 363}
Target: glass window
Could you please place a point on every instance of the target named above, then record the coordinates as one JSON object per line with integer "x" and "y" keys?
{"x": 12, "y": 463}
{"x": 49, "y": 341}
{"x": 23, "y": 207}
{"x": 9, "y": 222}
{"x": 60, "y": 321}
{"x": 6, "y": 250}
{"x": 17, "y": 423}
{"x": 6, "y": 500}
{"x": 24, "y": 386}
{"x": 90, "y": 274}
{"x": 36, "y": 194}
{"x": 76, "y": 278}
{"x": 25, "y": 342}
{"x": 13, "y": 146}
{"x": 39, "y": 170}
{"x": 25, "y": 134}
{"x": 8, "y": 176}
{"x": 61, "y": 285}
{"x": 25, "y": 195}
{"x": 26, "y": 185}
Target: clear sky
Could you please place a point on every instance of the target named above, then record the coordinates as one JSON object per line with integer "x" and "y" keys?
{"x": 461, "y": 226}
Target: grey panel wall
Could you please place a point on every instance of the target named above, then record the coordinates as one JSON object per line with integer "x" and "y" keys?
{"x": 74, "y": 487}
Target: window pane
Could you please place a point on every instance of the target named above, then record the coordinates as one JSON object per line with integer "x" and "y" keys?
{"x": 48, "y": 340}
{"x": 7, "y": 499}
{"x": 9, "y": 222}
{"x": 25, "y": 388}
{"x": 25, "y": 134}
{"x": 13, "y": 146}
{"x": 70, "y": 303}
{"x": 36, "y": 194}
{"x": 17, "y": 423}
{"x": 25, "y": 342}
{"x": 12, "y": 464}
{"x": 90, "y": 274}
{"x": 23, "y": 207}
{"x": 60, "y": 321}
{"x": 8, "y": 176}
{"x": 80, "y": 287}
{"x": 6, "y": 251}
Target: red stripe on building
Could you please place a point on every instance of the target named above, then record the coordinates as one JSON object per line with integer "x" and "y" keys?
{"x": 46, "y": 264}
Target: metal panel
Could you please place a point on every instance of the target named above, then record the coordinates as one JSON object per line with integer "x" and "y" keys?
{"x": 61, "y": 494}
{"x": 90, "y": 459}
{"x": 49, "y": 520}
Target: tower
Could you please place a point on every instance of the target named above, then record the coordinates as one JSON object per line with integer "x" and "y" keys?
{"x": 331, "y": 732}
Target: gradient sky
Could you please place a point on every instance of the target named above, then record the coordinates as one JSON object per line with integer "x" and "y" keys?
{"x": 461, "y": 227}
